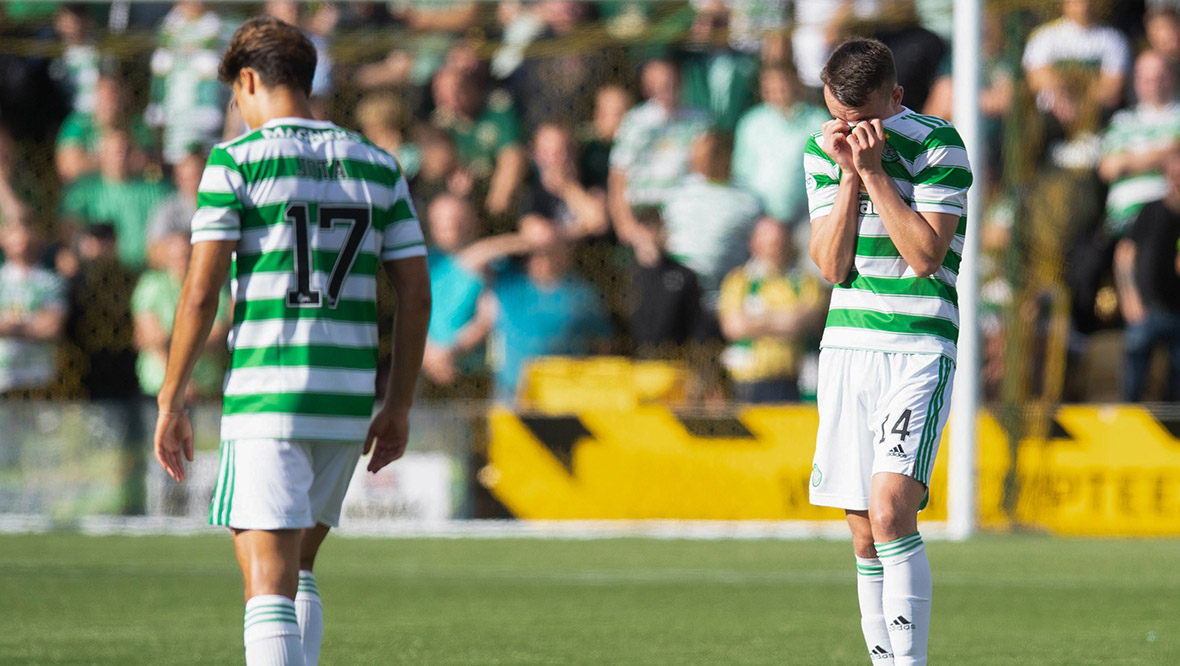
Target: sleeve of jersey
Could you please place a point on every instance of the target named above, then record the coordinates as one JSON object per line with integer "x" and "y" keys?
{"x": 1036, "y": 53}
{"x": 943, "y": 174}
{"x": 622, "y": 153}
{"x": 1117, "y": 56}
{"x": 823, "y": 179}
{"x": 403, "y": 235}
{"x": 219, "y": 200}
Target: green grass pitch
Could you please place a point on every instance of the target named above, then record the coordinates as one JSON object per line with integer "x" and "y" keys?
{"x": 127, "y": 601}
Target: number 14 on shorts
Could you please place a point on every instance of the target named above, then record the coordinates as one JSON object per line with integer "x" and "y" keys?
{"x": 901, "y": 428}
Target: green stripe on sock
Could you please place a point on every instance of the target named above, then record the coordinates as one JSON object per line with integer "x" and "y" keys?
{"x": 278, "y": 619}
{"x": 270, "y": 608}
{"x": 270, "y": 611}
{"x": 899, "y": 546}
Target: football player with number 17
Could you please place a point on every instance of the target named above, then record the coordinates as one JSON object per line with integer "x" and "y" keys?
{"x": 307, "y": 214}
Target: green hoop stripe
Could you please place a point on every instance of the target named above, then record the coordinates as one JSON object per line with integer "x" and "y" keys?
{"x": 870, "y": 571}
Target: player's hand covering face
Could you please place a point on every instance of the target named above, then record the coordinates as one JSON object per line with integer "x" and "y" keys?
{"x": 867, "y": 143}
{"x": 836, "y": 143}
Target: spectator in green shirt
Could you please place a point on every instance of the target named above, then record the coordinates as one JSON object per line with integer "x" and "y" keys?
{"x": 76, "y": 152}
{"x": 769, "y": 141}
{"x": 117, "y": 196}
{"x": 650, "y": 155}
{"x": 154, "y": 306}
{"x": 187, "y": 101}
{"x": 486, "y": 133}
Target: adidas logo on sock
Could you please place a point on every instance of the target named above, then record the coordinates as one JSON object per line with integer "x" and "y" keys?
{"x": 879, "y": 652}
{"x": 896, "y": 452}
{"x": 899, "y": 623}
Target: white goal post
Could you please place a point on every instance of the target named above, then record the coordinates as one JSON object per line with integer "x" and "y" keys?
{"x": 967, "y": 71}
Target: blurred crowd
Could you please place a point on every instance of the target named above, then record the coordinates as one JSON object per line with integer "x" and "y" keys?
{"x": 605, "y": 177}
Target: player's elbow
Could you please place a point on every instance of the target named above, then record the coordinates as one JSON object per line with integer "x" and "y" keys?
{"x": 201, "y": 299}
{"x": 416, "y": 297}
{"x": 925, "y": 269}
{"x": 834, "y": 263}
{"x": 833, "y": 269}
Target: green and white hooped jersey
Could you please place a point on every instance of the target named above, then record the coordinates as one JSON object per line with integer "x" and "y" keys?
{"x": 315, "y": 210}
{"x": 883, "y": 305}
{"x": 1137, "y": 130}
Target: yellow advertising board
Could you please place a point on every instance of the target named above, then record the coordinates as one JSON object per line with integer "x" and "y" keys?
{"x": 1102, "y": 470}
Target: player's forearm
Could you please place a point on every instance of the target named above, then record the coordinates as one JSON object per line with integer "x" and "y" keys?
{"x": 833, "y": 238}
{"x": 913, "y": 236}
{"x": 409, "y": 343}
{"x": 194, "y": 319}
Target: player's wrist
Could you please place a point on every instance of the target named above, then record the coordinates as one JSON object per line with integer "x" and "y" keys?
{"x": 168, "y": 406}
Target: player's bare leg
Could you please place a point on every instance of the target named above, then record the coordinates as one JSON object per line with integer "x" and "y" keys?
{"x": 906, "y": 585}
{"x": 869, "y": 584}
{"x": 308, "y": 607}
{"x": 270, "y": 570}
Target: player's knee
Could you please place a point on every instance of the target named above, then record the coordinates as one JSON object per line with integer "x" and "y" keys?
{"x": 888, "y": 523}
{"x": 862, "y": 545}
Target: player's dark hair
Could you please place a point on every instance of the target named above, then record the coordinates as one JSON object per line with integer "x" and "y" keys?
{"x": 856, "y": 68}
{"x": 281, "y": 54}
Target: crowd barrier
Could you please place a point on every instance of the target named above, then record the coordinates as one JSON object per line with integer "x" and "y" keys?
{"x": 1109, "y": 470}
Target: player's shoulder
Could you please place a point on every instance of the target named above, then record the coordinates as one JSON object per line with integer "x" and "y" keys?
{"x": 378, "y": 155}
{"x": 814, "y": 144}
{"x": 924, "y": 130}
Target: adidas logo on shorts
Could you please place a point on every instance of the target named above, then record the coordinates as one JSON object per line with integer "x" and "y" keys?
{"x": 896, "y": 452}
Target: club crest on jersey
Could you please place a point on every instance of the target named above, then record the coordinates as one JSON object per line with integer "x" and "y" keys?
{"x": 889, "y": 153}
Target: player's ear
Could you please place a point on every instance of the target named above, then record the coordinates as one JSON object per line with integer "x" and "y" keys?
{"x": 247, "y": 78}
{"x": 898, "y": 92}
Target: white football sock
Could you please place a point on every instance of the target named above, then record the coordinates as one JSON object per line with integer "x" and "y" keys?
{"x": 271, "y": 632}
{"x": 869, "y": 583}
{"x": 310, "y": 610}
{"x": 906, "y": 598}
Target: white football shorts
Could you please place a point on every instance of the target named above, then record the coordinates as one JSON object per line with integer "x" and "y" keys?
{"x": 878, "y": 412}
{"x": 268, "y": 484}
